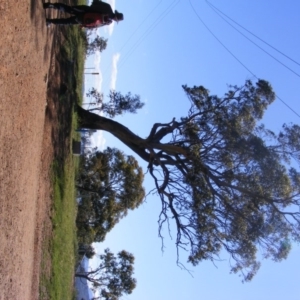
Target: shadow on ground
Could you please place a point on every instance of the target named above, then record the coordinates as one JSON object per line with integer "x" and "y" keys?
{"x": 60, "y": 99}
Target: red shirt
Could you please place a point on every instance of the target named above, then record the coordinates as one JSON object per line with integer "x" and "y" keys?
{"x": 94, "y": 20}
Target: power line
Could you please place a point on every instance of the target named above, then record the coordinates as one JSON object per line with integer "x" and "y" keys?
{"x": 139, "y": 26}
{"x": 149, "y": 30}
{"x": 221, "y": 43}
{"x": 289, "y": 107}
{"x": 227, "y": 49}
{"x": 216, "y": 11}
{"x": 134, "y": 32}
{"x": 274, "y": 48}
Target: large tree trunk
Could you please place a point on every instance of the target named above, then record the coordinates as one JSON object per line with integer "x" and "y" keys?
{"x": 98, "y": 192}
{"x": 85, "y": 277}
{"x": 90, "y": 120}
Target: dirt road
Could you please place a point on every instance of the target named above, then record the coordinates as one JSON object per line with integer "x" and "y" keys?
{"x": 25, "y": 145}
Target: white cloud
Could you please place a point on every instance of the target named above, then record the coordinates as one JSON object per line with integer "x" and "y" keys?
{"x": 97, "y": 60}
{"x": 97, "y": 140}
{"x": 110, "y": 28}
{"x": 114, "y": 71}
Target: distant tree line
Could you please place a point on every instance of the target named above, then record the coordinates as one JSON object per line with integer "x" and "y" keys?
{"x": 113, "y": 276}
{"x": 97, "y": 44}
{"x": 109, "y": 183}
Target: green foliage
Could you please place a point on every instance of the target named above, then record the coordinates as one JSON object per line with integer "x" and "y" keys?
{"x": 72, "y": 57}
{"x": 87, "y": 250}
{"x": 117, "y": 104}
{"x": 113, "y": 276}
{"x": 109, "y": 183}
{"x": 235, "y": 188}
{"x": 98, "y": 44}
{"x": 222, "y": 177}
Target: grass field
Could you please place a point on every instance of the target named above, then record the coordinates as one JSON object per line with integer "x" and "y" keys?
{"x": 64, "y": 243}
{"x": 62, "y": 249}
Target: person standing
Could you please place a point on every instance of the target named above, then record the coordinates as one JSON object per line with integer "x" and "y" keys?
{"x": 98, "y": 14}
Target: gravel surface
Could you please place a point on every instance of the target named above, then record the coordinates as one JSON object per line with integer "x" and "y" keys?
{"x": 26, "y": 149}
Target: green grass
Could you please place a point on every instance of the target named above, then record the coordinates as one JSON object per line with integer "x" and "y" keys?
{"x": 63, "y": 246}
{"x": 73, "y": 50}
{"x": 62, "y": 249}
{"x": 58, "y": 283}
{"x": 64, "y": 243}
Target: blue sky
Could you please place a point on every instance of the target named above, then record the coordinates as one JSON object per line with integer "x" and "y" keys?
{"x": 159, "y": 46}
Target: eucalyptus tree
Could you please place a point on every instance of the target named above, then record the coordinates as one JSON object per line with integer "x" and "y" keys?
{"x": 97, "y": 44}
{"x": 114, "y": 275}
{"x": 222, "y": 178}
{"x": 109, "y": 184}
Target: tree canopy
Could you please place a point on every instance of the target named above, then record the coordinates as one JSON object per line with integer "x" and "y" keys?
{"x": 98, "y": 44}
{"x": 86, "y": 250}
{"x": 221, "y": 176}
{"x": 113, "y": 277}
{"x": 109, "y": 184}
{"x": 118, "y": 104}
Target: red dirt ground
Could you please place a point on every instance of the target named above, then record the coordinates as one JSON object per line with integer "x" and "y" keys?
{"x": 26, "y": 149}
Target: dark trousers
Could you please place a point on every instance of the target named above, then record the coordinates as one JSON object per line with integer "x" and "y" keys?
{"x": 73, "y": 10}
{"x": 65, "y": 21}
{"x": 77, "y": 12}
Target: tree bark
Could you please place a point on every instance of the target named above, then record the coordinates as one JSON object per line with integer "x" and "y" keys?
{"x": 142, "y": 147}
{"x": 90, "y": 120}
{"x": 98, "y": 192}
